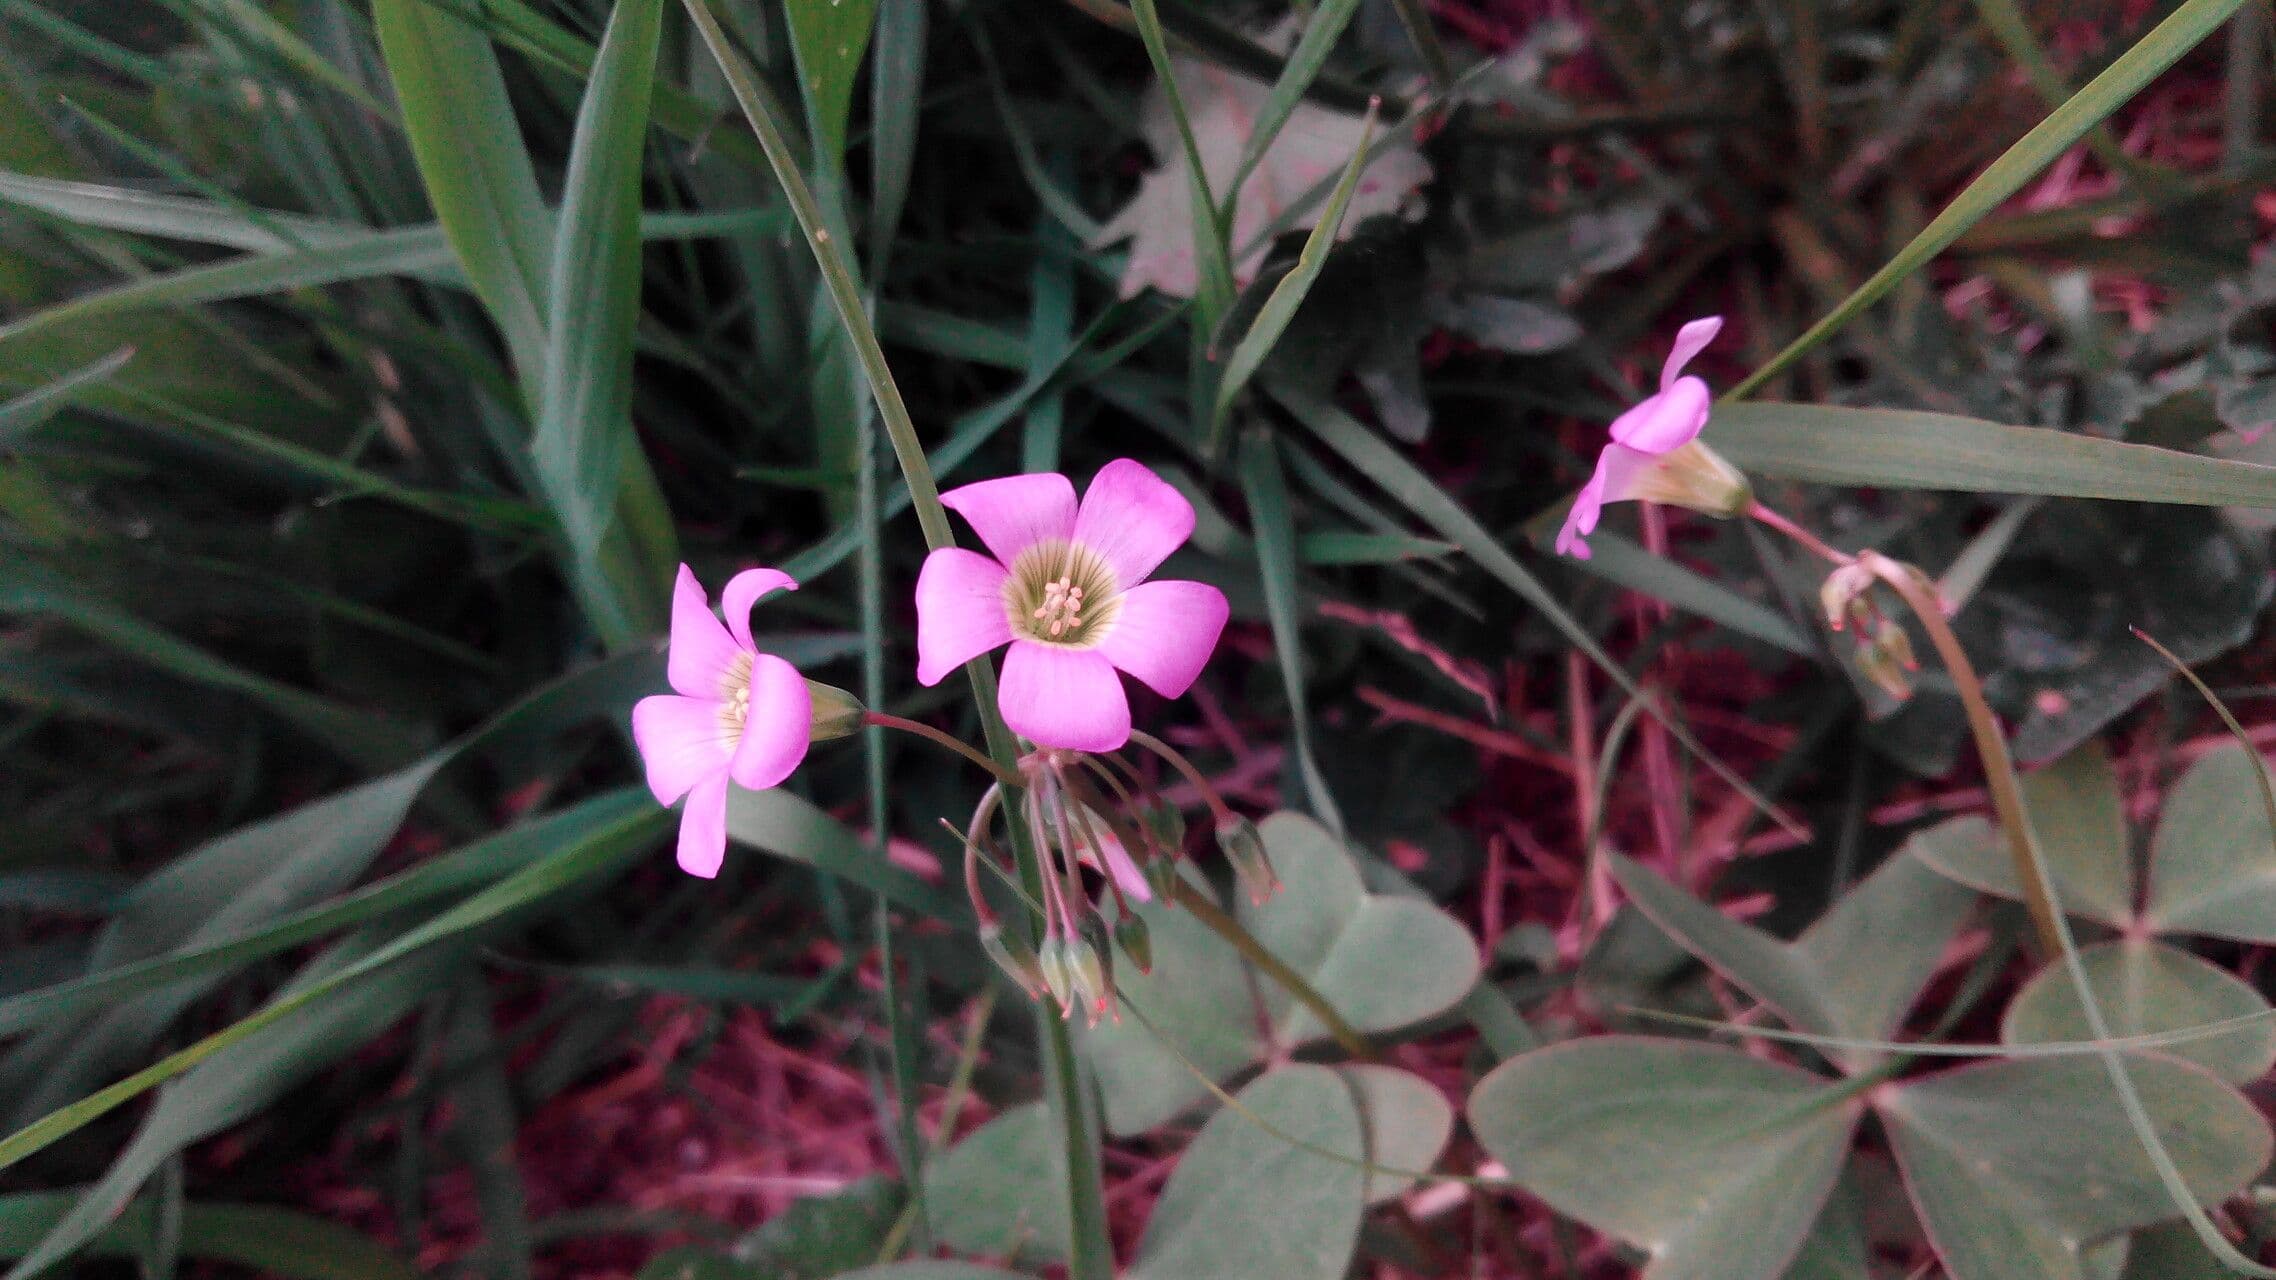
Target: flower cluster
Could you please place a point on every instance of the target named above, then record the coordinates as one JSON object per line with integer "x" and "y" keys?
{"x": 1064, "y": 584}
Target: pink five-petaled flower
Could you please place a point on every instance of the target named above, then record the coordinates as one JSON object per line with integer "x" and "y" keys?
{"x": 1067, "y": 590}
{"x": 1655, "y": 455}
{"x": 738, "y": 714}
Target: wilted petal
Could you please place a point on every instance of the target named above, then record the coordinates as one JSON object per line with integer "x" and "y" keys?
{"x": 1067, "y": 698}
{"x": 1133, "y": 520}
{"x": 1690, "y": 340}
{"x": 746, "y": 589}
{"x": 1110, "y": 857}
{"x": 1165, "y": 632}
{"x": 703, "y": 829}
{"x": 960, "y": 611}
{"x": 701, "y": 649}
{"x": 778, "y": 727}
{"x": 1669, "y": 420}
{"x": 1014, "y": 513}
{"x": 682, "y": 742}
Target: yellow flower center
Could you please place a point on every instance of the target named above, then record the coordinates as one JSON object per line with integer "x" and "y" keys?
{"x": 735, "y": 697}
{"x": 1061, "y": 593}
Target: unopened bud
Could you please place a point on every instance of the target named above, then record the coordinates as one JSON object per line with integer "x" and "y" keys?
{"x": 1166, "y": 823}
{"x": 1244, "y": 848}
{"x": 1088, "y": 969}
{"x": 1136, "y": 941}
{"x": 1015, "y": 957}
{"x": 1695, "y": 477}
{"x": 1162, "y": 876}
{"x": 837, "y": 714}
{"x": 1058, "y": 977}
{"x": 1843, "y": 595}
{"x": 1887, "y": 660}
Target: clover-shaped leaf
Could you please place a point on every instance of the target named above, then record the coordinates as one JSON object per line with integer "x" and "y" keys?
{"x": 1381, "y": 961}
{"x": 1245, "y": 1201}
{"x": 1713, "y": 1162}
{"x": 2144, "y": 987}
{"x": 2017, "y": 1166}
{"x": 1002, "y": 1191}
{"x": 1854, "y": 973}
{"x": 1406, "y": 1120}
{"x": 2212, "y": 871}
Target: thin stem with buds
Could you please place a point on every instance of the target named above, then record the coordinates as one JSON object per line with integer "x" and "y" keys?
{"x": 930, "y": 734}
{"x": 1215, "y": 919}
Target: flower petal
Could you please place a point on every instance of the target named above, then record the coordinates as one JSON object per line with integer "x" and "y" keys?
{"x": 1115, "y": 860}
{"x": 1580, "y": 520}
{"x": 701, "y": 649}
{"x": 1690, "y": 340}
{"x": 1669, "y": 420}
{"x": 1067, "y": 698}
{"x": 960, "y": 611}
{"x": 746, "y": 589}
{"x": 1165, "y": 632}
{"x": 703, "y": 829}
{"x": 1016, "y": 512}
{"x": 1133, "y": 520}
{"x": 778, "y": 728}
{"x": 1618, "y": 471}
{"x": 682, "y": 742}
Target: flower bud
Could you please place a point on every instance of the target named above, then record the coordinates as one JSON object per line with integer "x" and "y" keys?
{"x": 1058, "y": 977}
{"x": 1695, "y": 477}
{"x": 1166, "y": 823}
{"x": 1887, "y": 660}
{"x": 1843, "y": 595}
{"x": 1244, "y": 848}
{"x": 1090, "y": 967}
{"x": 1136, "y": 941}
{"x": 837, "y": 714}
{"x": 1162, "y": 877}
{"x": 1015, "y": 957}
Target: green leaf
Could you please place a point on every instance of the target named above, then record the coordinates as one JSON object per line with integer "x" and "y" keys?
{"x": 2213, "y": 861}
{"x": 1853, "y": 973}
{"x": 1406, "y": 1122}
{"x": 19, "y": 415}
{"x": 1909, "y": 449}
{"x": 821, "y": 1236}
{"x": 238, "y": 1080}
{"x": 828, "y": 38}
{"x": 2144, "y": 987}
{"x": 1274, "y": 523}
{"x": 928, "y": 1270}
{"x": 1246, "y": 1202}
{"x": 461, "y": 126}
{"x": 584, "y": 450}
{"x": 2015, "y": 1165}
{"x": 265, "y": 1238}
{"x": 121, "y": 208}
{"x": 2172, "y": 1252}
{"x": 1836, "y": 1248}
{"x": 1617, "y": 560}
{"x": 1382, "y": 961}
{"x": 795, "y": 829}
{"x": 2051, "y": 137}
{"x": 1713, "y": 1162}
{"x": 997, "y": 1193}
{"x": 2080, "y": 820}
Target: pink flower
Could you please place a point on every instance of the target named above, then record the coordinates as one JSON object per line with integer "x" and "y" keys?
{"x": 1654, "y": 454}
{"x": 739, "y": 714}
{"x": 1067, "y": 590}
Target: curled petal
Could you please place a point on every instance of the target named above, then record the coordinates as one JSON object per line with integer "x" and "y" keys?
{"x": 1068, "y": 698}
{"x": 1133, "y": 520}
{"x": 1016, "y": 512}
{"x": 960, "y": 611}
{"x": 683, "y": 741}
{"x": 1580, "y": 520}
{"x": 1667, "y": 421}
{"x": 1165, "y": 632}
{"x": 1109, "y": 856}
{"x": 703, "y": 829}
{"x": 701, "y": 649}
{"x": 1690, "y": 340}
{"x": 746, "y": 589}
{"x": 778, "y": 727}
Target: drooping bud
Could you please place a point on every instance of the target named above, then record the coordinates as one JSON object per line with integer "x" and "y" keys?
{"x": 1136, "y": 941}
{"x": 1843, "y": 595}
{"x": 837, "y": 714}
{"x": 1015, "y": 957}
{"x": 1887, "y": 659}
{"x": 1166, "y": 823}
{"x": 1162, "y": 875}
{"x": 1244, "y": 848}
{"x": 1089, "y": 968}
{"x": 1695, "y": 477}
{"x": 1058, "y": 976}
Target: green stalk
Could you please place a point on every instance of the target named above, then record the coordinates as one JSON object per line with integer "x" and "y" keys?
{"x": 1093, "y": 1257}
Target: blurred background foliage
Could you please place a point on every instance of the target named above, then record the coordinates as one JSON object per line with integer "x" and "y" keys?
{"x": 331, "y": 569}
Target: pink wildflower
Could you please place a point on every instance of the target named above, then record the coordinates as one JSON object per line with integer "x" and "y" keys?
{"x": 1067, "y": 590}
{"x": 739, "y": 714}
{"x": 1655, "y": 455}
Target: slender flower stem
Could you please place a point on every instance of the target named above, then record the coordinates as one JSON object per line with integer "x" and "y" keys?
{"x": 1999, "y": 767}
{"x": 1215, "y": 919}
{"x": 1218, "y": 809}
{"x": 883, "y": 721}
{"x": 1763, "y": 515}
{"x": 1092, "y": 1254}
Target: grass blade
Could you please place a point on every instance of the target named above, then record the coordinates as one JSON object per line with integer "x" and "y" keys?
{"x": 1274, "y": 524}
{"x": 21, "y": 414}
